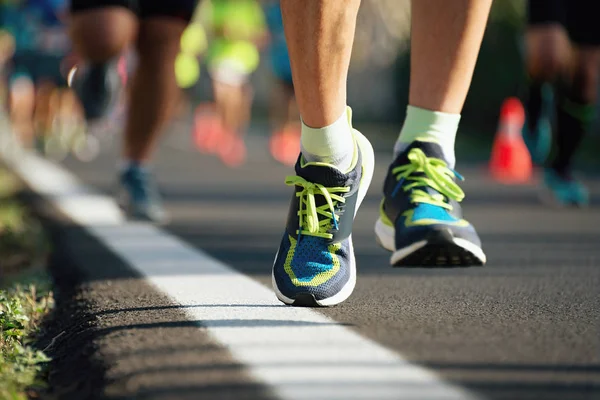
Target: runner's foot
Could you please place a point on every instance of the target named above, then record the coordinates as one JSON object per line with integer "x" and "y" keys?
{"x": 565, "y": 190}
{"x": 420, "y": 218}
{"x": 139, "y": 196}
{"x": 315, "y": 264}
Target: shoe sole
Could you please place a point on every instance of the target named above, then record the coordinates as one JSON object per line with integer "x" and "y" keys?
{"x": 440, "y": 250}
{"x": 130, "y": 215}
{"x": 307, "y": 299}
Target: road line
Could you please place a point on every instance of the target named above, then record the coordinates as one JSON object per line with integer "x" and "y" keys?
{"x": 299, "y": 353}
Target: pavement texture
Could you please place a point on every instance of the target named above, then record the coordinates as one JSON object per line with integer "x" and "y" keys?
{"x": 526, "y": 326}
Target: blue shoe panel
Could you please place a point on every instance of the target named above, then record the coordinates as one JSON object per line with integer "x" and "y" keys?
{"x": 312, "y": 266}
{"x": 424, "y": 211}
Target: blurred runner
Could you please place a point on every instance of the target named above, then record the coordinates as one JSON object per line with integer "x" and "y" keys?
{"x": 420, "y": 220}
{"x": 101, "y": 31}
{"x": 208, "y": 126}
{"x": 285, "y": 118}
{"x": 20, "y": 87}
{"x": 40, "y": 103}
{"x": 236, "y": 29}
{"x": 563, "y": 60}
{"x": 7, "y": 50}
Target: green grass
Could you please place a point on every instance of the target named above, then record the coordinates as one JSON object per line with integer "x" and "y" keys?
{"x": 22, "y": 308}
{"x": 25, "y": 295}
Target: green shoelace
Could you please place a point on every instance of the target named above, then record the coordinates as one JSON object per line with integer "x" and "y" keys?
{"x": 310, "y": 224}
{"x": 435, "y": 174}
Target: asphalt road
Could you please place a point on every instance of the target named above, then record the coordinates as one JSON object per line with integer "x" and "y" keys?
{"x": 526, "y": 326}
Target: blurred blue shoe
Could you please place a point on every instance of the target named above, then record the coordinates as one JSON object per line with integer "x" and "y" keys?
{"x": 139, "y": 196}
{"x": 565, "y": 190}
{"x": 539, "y": 142}
{"x": 98, "y": 87}
{"x": 315, "y": 263}
{"x": 420, "y": 219}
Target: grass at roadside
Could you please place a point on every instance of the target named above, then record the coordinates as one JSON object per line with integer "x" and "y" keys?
{"x": 22, "y": 309}
{"x": 25, "y": 295}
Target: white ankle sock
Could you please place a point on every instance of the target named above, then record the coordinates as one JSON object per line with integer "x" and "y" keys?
{"x": 429, "y": 125}
{"x": 333, "y": 144}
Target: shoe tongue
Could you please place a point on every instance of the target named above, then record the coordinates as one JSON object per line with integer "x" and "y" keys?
{"x": 323, "y": 174}
{"x": 431, "y": 149}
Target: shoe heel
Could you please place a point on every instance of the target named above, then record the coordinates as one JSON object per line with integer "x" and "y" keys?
{"x": 368, "y": 165}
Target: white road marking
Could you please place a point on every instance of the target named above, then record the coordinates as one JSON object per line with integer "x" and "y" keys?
{"x": 78, "y": 202}
{"x": 299, "y": 353}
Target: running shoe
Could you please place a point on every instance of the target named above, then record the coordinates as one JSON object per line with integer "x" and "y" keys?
{"x": 232, "y": 150}
{"x": 420, "y": 217}
{"x": 564, "y": 190}
{"x": 207, "y": 129}
{"x": 539, "y": 141}
{"x": 98, "y": 88}
{"x": 285, "y": 146}
{"x": 315, "y": 264}
{"x": 139, "y": 195}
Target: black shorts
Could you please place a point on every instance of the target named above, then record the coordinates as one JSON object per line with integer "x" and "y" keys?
{"x": 38, "y": 66}
{"x": 183, "y": 9}
{"x": 578, "y": 17}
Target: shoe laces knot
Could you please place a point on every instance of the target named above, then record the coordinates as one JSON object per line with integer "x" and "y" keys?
{"x": 316, "y": 220}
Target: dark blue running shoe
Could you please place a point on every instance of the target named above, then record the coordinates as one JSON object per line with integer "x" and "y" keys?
{"x": 98, "y": 87}
{"x": 315, "y": 263}
{"x": 564, "y": 190}
{"x": 139, "y": 196}
{"x": 420, "y": 218}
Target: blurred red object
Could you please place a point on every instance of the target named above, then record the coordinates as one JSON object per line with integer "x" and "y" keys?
{"x": 285, "y": 145}
{"x": 232, "y": 149}
{"x": 510, "y": 162}
{"x": 207, "y": 129}
{"x": 122, "y": 70}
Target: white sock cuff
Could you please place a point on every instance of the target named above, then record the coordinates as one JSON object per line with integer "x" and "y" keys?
{"x": 329, "y": 140}
{"x": 426, "y": 124}
{"x": 421, "y": 122}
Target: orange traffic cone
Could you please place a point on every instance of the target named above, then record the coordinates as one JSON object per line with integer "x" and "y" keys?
{"x": 511, "y": 162}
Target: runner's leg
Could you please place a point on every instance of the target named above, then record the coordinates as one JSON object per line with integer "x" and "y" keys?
{"x": 315, "y": 264}
{"x": 320, "y": 37}
{"x": 154, "y": 89}
{"x": 102, "y": 32}
{"x": 421, "y": 220}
